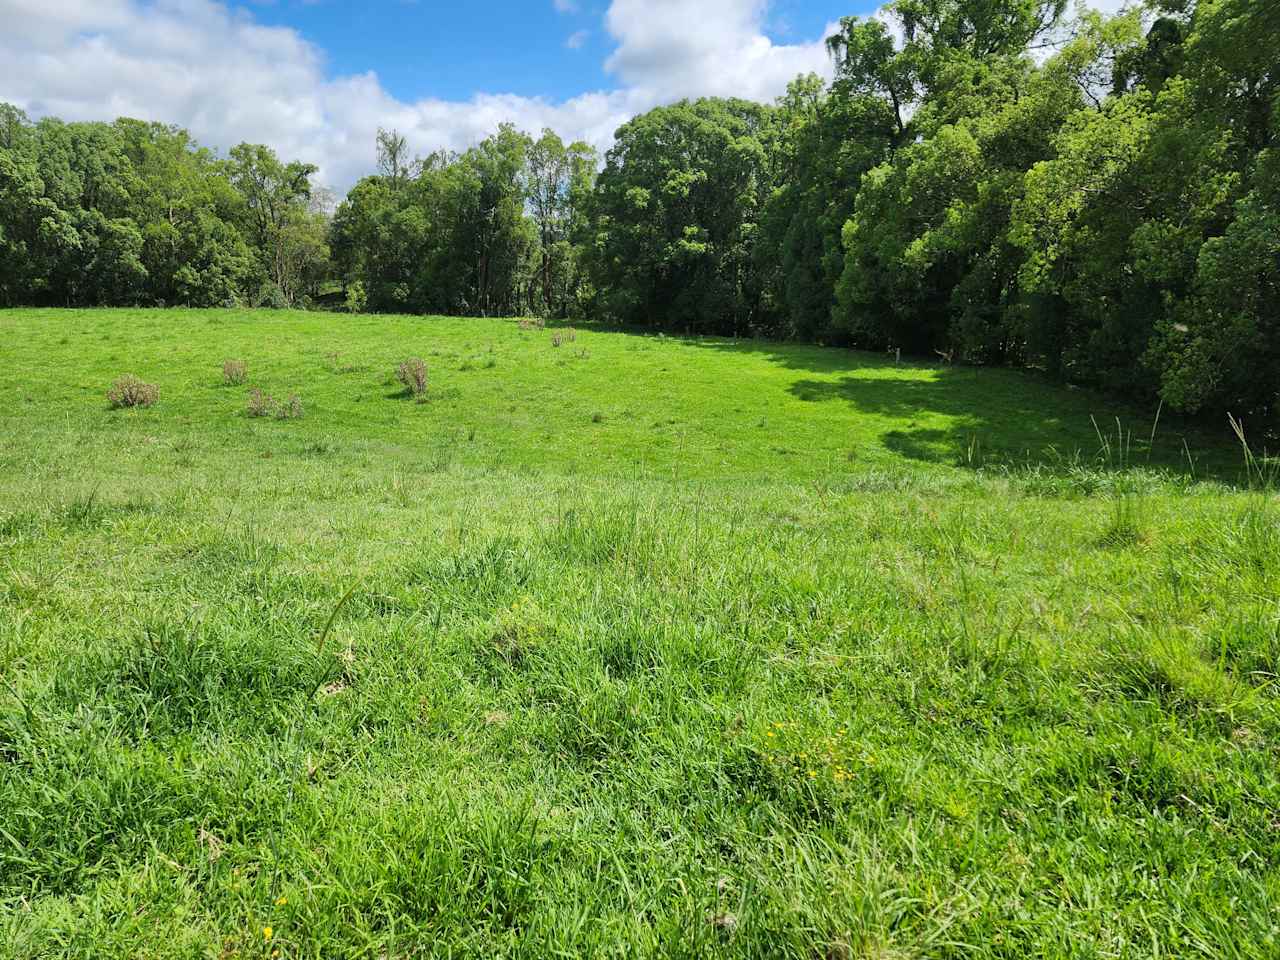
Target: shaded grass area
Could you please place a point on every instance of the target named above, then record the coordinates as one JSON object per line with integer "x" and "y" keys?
{"x": 594, "y": 693}
{"x": 974, "y": 417}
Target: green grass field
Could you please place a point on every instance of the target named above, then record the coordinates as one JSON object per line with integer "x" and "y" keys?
{"x": 650, "y": 647}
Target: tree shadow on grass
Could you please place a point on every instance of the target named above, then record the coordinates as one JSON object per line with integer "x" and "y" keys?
{"x": 955, "y": 417}
{"x": 973, "y": 417}
{"x": 803, "y": 356}
{"x": 930, "y": 446}
{"x": 1006, "y": 417}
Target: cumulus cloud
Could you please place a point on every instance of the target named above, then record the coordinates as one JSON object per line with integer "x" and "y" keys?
{"x": 674, "y": 48}
{"x": 228, "y": 78}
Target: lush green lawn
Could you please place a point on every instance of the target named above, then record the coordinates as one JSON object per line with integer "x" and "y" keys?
{"x": 653, "y": 647}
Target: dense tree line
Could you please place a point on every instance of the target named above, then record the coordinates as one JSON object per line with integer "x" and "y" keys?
{"x": 136, "y": 213}
{"x": 989, "y": 181}
{"x": 994, "y": 181}
{"x": 489, "y": 231}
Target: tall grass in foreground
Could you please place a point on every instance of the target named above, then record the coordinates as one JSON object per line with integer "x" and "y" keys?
{"x": 1261, "y": 473}
{"x": 671, "y": 683}
{"x": 325, "y": 678}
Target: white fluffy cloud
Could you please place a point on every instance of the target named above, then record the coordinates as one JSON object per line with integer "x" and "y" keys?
{"x": 228, "y": 78}
{"x": 673, "y": 48}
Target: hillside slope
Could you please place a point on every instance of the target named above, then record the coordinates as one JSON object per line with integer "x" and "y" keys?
{"x": 629, "y": 645}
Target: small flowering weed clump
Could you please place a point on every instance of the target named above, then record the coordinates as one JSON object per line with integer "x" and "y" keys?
{"x": 794, "y": 753}
{"x": 518, "y": 631}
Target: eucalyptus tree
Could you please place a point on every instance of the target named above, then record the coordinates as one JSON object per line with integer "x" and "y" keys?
{"x": 290, "y": 238}
{"x": 393, "y": 157}
{"x": 492, "y": 228}
{"x": 445, "y": 234}
{"x": 558, "y": 183}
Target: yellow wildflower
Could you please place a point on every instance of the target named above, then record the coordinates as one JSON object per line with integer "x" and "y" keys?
{"x": 266, "y": 933}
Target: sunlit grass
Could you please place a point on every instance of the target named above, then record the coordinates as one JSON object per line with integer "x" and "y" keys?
{"x": 649, "y": 647}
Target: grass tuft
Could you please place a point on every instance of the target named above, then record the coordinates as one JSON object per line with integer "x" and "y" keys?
{"x": 263, "y": 405}
{"x": 412, "y": 374}
{"x": 130, "y": 391}
{"x": 235, "y": 373}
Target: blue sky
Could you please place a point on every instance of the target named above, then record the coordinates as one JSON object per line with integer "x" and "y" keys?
{"x": 421, "y": 48}
{"x": 316, "y": 79}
